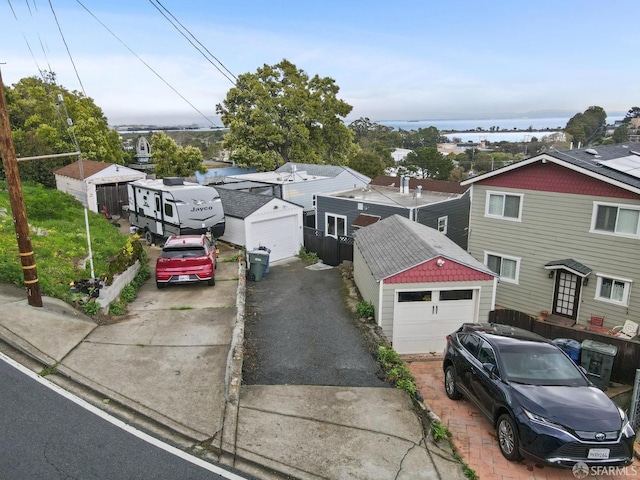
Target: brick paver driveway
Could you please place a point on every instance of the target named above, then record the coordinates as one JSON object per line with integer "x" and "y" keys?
{"x": 474, "y": 437}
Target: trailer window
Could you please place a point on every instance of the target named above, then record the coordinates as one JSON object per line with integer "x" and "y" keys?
{"x": 168, "y": 210}
{"x": 157, "y": 204}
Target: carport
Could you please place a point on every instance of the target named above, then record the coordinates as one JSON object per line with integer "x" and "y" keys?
{"x": 421, "y": 284}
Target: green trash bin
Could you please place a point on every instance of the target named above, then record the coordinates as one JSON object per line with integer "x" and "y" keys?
{"x": 597, "y": 359}
{"x": 258, "y": 261}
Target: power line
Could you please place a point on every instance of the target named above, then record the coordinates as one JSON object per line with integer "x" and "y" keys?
{"x": 146, "y": 64}
{"x": 235, "y": 79}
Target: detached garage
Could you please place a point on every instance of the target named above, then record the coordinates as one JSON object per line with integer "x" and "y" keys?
{"x": 254, "y": 220}
{"x": 422, "y": 285}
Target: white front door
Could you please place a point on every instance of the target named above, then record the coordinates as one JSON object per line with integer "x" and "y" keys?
{"x": 423, "y": 318}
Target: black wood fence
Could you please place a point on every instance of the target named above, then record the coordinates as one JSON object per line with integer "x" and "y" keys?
{"x": 332, "y": 251}
{"x": 627, "y": 358}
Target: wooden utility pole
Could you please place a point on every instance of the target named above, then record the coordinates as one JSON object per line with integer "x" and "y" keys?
{"x": 27, "y": 257}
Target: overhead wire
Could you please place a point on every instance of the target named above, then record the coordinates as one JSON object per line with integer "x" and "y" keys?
{"x": 146, "y": 64}
{"x": 158, "y": 5}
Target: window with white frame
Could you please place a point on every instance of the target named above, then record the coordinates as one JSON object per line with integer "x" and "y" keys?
{"x": 504, "y": 205}
{"x": 613, "y": 290}
{"x": 443, "y": 223}
{"x": 616, "y": 219}
{"x": 335, "y": 225}
{"x": 507, "y": 267}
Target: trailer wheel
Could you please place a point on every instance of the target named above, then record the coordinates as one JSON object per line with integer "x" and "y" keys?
{"x": 149, "y": 237}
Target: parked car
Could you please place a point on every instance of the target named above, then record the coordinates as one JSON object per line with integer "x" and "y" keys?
{"x": 186, "y": 259}
{"x": 540, "y": 402}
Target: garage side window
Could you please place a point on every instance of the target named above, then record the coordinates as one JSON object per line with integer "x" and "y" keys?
{"x": 418, "y": 296}
{"x": 456, "y": 295}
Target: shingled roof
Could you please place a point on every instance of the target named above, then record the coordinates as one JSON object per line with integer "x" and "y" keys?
{"x": 590, "y": 161}
{"x": 240, "y": 204}
{"x": 89, "y": 168}
{"x": 396, "y": 244}
{"x": 427, "y": 184}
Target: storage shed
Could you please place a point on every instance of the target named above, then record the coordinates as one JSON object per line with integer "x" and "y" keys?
{"x": 254, "y": 220}
{"x": 422, "y": 285}
{"x": 97, "y": 185}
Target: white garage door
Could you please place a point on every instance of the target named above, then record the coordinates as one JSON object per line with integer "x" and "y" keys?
{"x": 281, "y": 235}
{"x": 423, "y": 318}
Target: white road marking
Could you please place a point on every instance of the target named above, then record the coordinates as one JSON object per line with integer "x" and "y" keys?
{"x": 119, "y": 423}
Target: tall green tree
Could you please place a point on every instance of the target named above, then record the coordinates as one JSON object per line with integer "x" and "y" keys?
{"x": 280, "y": 114}
{"x": 634, "y": 112}
{"x": 428, "y": 162}
{"x": 39, "y": 127}
{"x": 621, "y": 134}
{"x": 587, "y": 127}
{"x": 423, "y": 137}
{"x": 172, "y": 160}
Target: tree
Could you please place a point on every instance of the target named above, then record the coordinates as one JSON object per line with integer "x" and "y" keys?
{"x": 428, "y": 162}
{"x": 368, "y": 163}
{"x": 279, "y": 114}
{"x": 174, "y": 161}
{"x": 587, "y": 127}
{"x": 621, "y": 134}
{"x": 39, "y": 127}
{"x": 423, "y": 137}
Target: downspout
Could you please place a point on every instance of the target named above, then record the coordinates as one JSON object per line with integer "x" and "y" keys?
{"x": 379, "y": 307}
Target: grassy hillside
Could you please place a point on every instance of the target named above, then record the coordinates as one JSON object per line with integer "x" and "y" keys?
{"x": 59, "y": 240}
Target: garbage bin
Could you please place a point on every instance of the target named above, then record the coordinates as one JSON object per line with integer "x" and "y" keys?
{"x": 571, "y": 347}
{"x": 268, "y": 250}
{"x": 597, "y": 360}
{"x": 257, "y": 261}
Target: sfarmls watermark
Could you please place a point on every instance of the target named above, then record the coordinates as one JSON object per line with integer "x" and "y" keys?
{"x": 582, "y": 470}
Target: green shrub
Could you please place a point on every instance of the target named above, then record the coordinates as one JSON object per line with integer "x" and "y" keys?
{"x": 307, "y": 256}
{"x": 365, "y": 309}
{"x": 128, "y": 294}
{"x": 396, "y": 372}
{"x": 117, "y": 308}
{"x": 92, "y": 308}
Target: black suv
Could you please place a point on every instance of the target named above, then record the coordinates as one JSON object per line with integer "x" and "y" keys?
{"x": 539, "y": 401}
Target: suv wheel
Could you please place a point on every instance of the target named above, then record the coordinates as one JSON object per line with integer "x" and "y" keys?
{"x": 160, "y": 285}
{"x": 211, "y": 282}
{"x": 508, "y": 438}
{"x": 450, "y": 383}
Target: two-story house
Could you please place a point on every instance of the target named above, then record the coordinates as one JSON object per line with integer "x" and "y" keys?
{"x": 562, "y": 230}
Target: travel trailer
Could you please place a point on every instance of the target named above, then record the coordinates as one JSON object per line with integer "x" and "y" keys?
{"x": 171, "y": 206}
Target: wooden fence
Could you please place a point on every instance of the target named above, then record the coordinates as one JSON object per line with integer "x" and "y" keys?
{"x": 627, "y": 358}
{"x": 330, "y": 250}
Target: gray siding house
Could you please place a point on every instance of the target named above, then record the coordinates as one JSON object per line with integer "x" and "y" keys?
{"x": 422, "y": 285}
{"x": 562, "y": 229}
{"x": 299, "y": 182}
{"x": 441, "y": 205}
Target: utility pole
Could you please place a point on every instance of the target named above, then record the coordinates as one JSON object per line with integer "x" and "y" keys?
{"x": 27, "y": 257}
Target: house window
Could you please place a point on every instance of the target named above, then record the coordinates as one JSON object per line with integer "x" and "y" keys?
{"x": 613, "y": 290}
{"x": 615, "y": 219}
{"x": 502, "y": 205}
{"x": 443, "y": 222}
{"x": 507, "y": 267}
{"x": 335, "y": 225}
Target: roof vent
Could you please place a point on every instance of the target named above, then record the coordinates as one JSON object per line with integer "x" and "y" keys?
{"x": 173, "y": 181}
{"x": 591, "y": 151}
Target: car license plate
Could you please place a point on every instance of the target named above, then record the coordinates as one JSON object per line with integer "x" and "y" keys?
{"x": 598, "y": 453}
{"x": 183, "y": 278}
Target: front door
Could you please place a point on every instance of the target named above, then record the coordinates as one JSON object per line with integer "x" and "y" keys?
{"x": 566, "y": 294}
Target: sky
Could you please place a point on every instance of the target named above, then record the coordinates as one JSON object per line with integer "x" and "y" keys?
{"x": 400, "y": 60}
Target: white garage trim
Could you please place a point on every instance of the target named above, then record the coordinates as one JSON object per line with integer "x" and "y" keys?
{"x": 278, "y": 235}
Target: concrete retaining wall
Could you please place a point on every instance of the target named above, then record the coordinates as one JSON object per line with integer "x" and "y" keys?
{"x": 110, "y": 293}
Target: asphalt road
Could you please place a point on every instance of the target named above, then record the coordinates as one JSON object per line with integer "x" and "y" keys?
{"x": 299, "y": 331}
{"x": 46, "y": 436}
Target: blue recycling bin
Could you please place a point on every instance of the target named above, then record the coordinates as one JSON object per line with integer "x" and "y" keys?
{"x": 570, "y": 347}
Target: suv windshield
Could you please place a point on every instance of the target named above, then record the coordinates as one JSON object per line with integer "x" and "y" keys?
{"x": 540, "y": 364}
{"x": 183, "y": 251}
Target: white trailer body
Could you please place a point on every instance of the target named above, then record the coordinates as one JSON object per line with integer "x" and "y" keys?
{"x": 171, "y": 206}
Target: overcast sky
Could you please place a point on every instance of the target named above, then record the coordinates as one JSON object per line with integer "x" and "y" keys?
{"x": 393, "y": 60}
